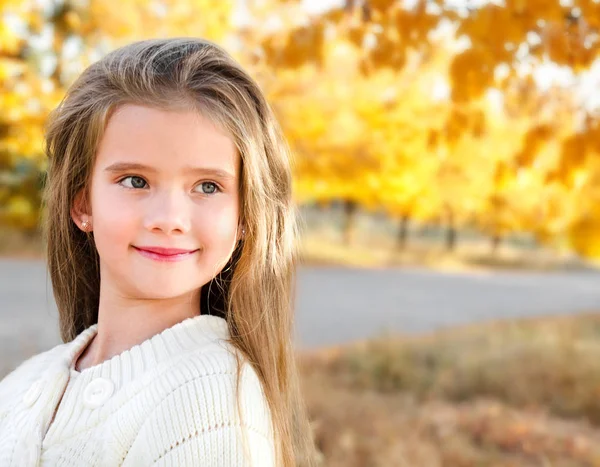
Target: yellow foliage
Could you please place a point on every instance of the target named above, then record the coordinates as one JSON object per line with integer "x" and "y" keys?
{"x": 19, "y": 212}
{"x": 10, "y": 43}
{"x": 354, "y": 91}
{"x": 585, "y": 237}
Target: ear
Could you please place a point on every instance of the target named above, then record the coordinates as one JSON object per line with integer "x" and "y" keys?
{"x": 81, "y": 211}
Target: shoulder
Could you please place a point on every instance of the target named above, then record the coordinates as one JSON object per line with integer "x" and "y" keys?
{"x": 201, "y": 410}
{"x": 19, "y": 380}
{"x": 208, "y": 381}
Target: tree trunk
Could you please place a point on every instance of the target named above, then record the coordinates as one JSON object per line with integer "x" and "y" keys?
{"x": 496, "y": 240}
{"x": 403, "y": 232}
{"x": 450, "y": 233}
{"x": 350, "y": 211}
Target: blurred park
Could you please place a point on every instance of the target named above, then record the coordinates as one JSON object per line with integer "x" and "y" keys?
{"x": 447, "y": 173}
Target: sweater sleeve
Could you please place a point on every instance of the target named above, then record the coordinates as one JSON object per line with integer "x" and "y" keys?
{"x": 196, "y": 424}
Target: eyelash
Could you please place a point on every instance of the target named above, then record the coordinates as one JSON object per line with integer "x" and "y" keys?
{"x": 120, "y": 181}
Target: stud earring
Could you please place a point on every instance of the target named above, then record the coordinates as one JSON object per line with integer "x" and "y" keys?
{"x": 86, "y": 225}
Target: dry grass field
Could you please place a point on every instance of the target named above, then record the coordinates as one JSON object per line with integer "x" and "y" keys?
{"x": 503, "y": 394}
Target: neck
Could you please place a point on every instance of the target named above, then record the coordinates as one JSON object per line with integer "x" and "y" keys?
{"x": 126, "y": 322}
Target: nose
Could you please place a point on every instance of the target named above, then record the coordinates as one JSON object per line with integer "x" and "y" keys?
{"x": 168, "y": 213}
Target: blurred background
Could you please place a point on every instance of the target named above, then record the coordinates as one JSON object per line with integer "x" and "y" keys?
{"x": 447, "y": 172}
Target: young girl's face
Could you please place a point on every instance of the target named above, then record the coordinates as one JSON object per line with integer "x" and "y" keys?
{"x": 163, "y": 179}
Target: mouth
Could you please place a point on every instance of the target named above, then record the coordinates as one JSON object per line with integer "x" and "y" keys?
{"x": 165, "y": 254}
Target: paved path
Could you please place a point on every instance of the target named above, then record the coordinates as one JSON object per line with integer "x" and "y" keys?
{"x": 334, "y": 306}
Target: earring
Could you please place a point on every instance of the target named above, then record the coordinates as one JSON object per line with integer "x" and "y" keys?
{"x": 85, "y": 225}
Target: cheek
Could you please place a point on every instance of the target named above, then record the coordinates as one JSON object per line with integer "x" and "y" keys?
{"x": 217, "y": 222}
{"x": 114, "y": 222}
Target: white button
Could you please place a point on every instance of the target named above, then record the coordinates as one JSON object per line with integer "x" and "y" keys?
{"x": 97, "y": 392}
{"x": 33, "y": 393}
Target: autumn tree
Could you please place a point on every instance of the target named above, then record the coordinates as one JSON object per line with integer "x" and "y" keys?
{"x": 525, "y": 184}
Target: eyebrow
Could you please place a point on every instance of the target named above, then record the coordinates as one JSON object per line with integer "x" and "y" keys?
{"x": 125, "y": 166}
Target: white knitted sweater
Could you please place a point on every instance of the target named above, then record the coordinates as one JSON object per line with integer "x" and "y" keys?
{"x": 168, "y": 401}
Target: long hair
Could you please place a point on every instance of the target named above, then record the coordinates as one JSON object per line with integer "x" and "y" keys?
{"x": 255, "y": 291}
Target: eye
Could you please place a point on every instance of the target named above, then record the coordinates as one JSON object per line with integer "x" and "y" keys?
{"x": 136, "y": 182}
{"x": 209, "y": 188}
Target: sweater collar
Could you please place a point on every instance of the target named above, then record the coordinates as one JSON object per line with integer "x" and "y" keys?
{"x": 184, "y": 336}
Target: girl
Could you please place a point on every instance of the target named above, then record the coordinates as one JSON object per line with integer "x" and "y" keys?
{"x": 170, "y": 245}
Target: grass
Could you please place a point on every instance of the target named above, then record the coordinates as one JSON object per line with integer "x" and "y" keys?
{"x": 523, "y": 393}
{"x": 324, "y": 248}
{"x": 16, "y": 244}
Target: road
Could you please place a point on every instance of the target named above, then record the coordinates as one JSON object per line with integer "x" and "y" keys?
{"x": 334, "y": 305}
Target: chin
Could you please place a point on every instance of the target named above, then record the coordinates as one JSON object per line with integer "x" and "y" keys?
{"x": 161, "y": 290}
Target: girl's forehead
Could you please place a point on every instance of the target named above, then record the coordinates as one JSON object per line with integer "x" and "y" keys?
{"x": 169, "y": 138}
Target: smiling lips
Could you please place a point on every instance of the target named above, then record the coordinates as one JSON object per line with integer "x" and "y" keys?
{"x": 165, "y": 254}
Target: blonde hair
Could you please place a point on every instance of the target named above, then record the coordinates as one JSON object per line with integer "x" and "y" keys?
{"x": 256, "y": 297}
